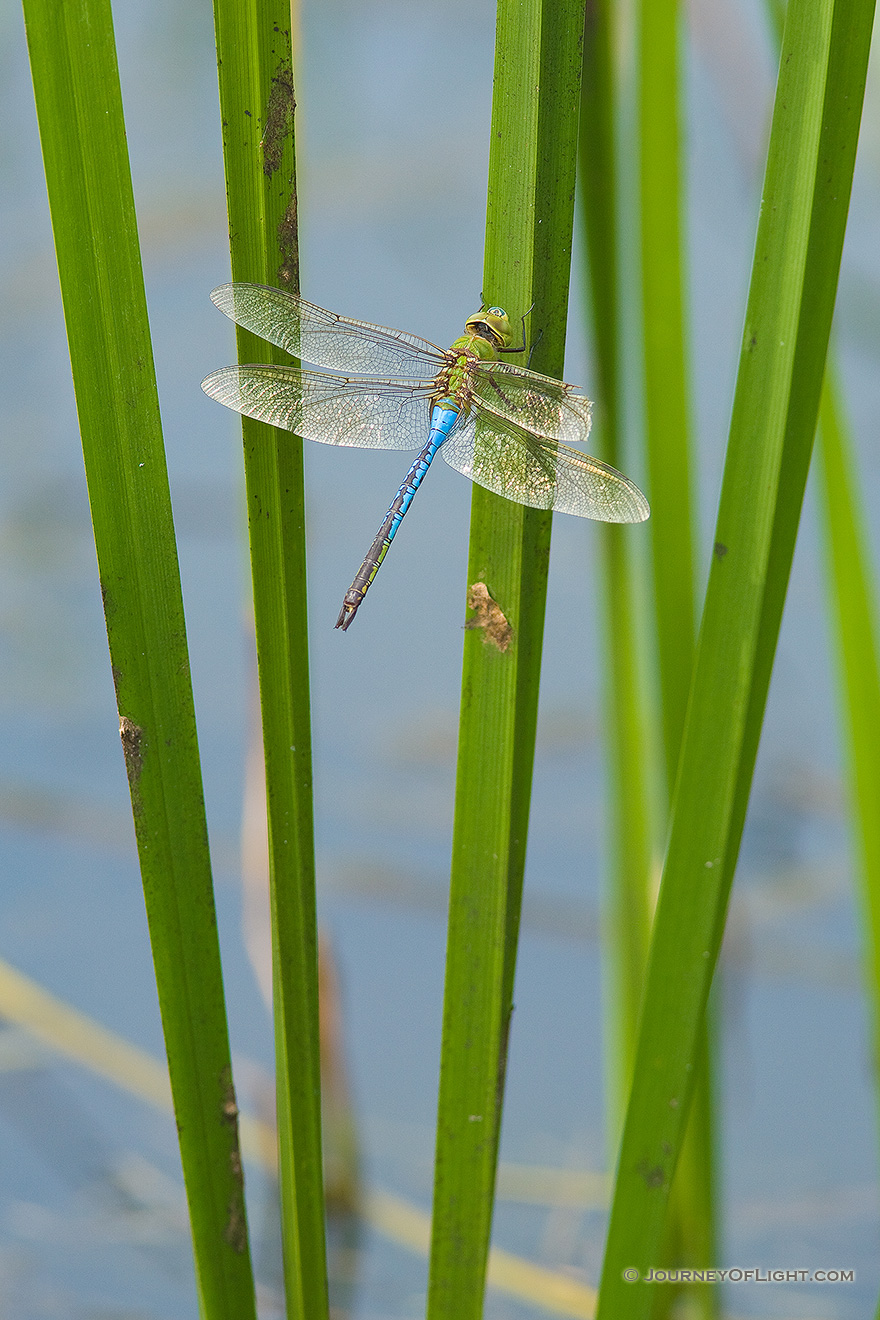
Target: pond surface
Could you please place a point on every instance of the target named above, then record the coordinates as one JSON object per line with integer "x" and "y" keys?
{"x": 392, "y": 174}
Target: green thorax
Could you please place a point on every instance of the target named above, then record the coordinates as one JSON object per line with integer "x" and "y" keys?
{"x": 487, "y": 333}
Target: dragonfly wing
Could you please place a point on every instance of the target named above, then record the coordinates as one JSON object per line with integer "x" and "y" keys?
{"x": 334, "y": 410}
{"x": 322, "y": 337}
{"x": 536, "y": 403}
{"x": 533, "y": 470}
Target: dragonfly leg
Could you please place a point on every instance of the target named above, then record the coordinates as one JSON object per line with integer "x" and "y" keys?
{"x": 520, "y": 348}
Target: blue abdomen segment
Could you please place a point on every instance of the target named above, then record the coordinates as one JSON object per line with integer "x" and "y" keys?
{"x": 444, "y": 415}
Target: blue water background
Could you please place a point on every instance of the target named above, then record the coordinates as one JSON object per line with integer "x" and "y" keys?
{"x": 394, "y": 103}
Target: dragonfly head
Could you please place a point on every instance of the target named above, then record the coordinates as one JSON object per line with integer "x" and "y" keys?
{"x": 491, "y": 323}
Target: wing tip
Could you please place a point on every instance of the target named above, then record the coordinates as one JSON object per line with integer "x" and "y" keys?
{"x": 643, "y": 508}
{"x": 217, "y": 386}
{"x": 219, "y": 294}
{"x": 224, "y": 294}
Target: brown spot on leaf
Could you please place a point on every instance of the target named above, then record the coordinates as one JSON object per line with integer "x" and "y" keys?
{"x": 132, "y": 736}
{"x": 489, "y": 617}
{"x": 279, "y": 120}
{"x": 230, "y": 1107}
{"x": 288, "y": 246}
{"x": 653, "y": 1175}
{"x": 720, "y": 549}
{"x": 235, "y": 1231}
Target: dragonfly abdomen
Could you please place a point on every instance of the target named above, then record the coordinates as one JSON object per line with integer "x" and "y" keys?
{"x": 444, "y": 415}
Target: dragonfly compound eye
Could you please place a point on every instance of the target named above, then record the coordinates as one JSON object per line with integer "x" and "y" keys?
{"x": 492, "y": 324}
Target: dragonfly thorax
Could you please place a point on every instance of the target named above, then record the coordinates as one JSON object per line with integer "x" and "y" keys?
{"x": 453, "y": 382}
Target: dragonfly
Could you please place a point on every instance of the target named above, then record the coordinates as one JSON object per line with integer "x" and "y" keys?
{"x": 505, "y": 427}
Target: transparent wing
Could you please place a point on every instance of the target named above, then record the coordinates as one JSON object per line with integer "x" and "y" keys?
{"x": 536, "y": 403}
{"x": 533, "y": 470}
{"x": 322, "y": 337}
{"x": 334, "y": 410}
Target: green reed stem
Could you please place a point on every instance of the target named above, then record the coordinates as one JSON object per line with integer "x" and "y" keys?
{"x": 852, "y": 598}
{"x": 257, "y": 109}
{"x": 794, "y": 279}
{"x": 79, "y": 108}
{"x": 528, "y": 256}
{"x": 627, "y": 902}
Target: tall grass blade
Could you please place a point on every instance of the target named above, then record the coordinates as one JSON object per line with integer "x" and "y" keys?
{"x": 528, "y": 256}
{"x": 791, "y": 300}
{"x": 76, "y": 84}
{"x": 691, "y": 1237}
{"x": 628, "y": 901}
{"x": 257, "y": 109}
{"x": 852, "y": 593}
{"x": 852, "y": 597}
{"x": 667, "y": 419}
{"x": 627, "y": 905}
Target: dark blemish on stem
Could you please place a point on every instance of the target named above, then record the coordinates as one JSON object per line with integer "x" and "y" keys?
{"x": 280, "y": 114}
{"x": 279, "y": 118}
{"x": 132, "y": 736}
{"x": 720, "y": 549}
{"x": 653, "y": 1176}
{"x": 230, "y": 1107}
{"x": 235, "y": 1232}
{"x": 489, "y": 617}
{"x": 288, "y": 245}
